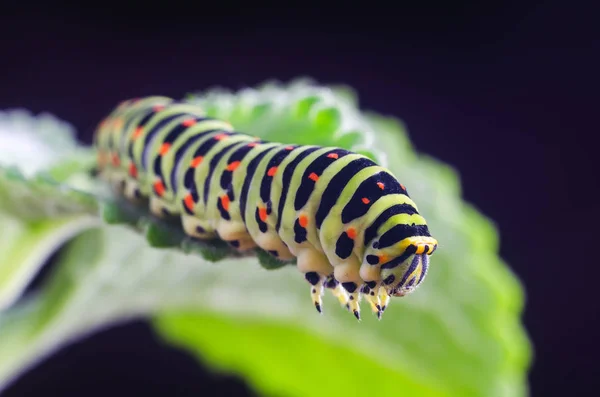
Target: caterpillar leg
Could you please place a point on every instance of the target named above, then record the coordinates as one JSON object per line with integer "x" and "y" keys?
{"x": 316, "y": 292}
{"x": 315, "y": 267}
{"x": 340, "y": 293}
{"x": 370, "y": 290}
{"x": 384, "y": 297}
{"x": 198, "y": 228}
{"x": 336, "y": 290}
{"x": 348, "y": 275}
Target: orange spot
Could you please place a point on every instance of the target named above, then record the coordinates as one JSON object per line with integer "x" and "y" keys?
{"x": 225, "y": 202}
{"x": 233, "y": 166}
{"x": 158, "y": 108}
{"x": 383, "y": 258}
{"x": 118, "y": 123}
{"x": 159, "y": 188}
{"x": 289, "y": 148}
{"x": 262, "y": 213}
{"x": 402, "y": 186}
{"x": 189, "y": 202}
{"x": 164, "y": 148}
{"x": 303, "y": 220}
{"x": 313, "y": 176}
{"x": 115, "y": 159}
{"x": 272, "y": 171}
{"x": 220, "y": 137}
{"x": 365, "y": 200}
{"x": 381, "y": 185}
{"x": 196, "y": 161}
{"x": 333, "y": 155}
{"x": 351, "y": 232}
{"x": 137, "y": 133}
{"x": 253, "y": 144}
{"x": 133, "y": 170}
{"x": 188, "y": 122}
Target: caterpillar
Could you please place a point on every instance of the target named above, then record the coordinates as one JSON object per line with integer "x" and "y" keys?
{"x": 348, "y": 222}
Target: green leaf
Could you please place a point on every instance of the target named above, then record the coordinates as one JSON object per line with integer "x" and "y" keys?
{"x": 39, "y": 143}
{"x": 40, "y": 198}
{"x": 460, "y": 334}
{"x": 311, "y": 365}
{"x": 26, "y": 246}
{"x": 37, "y": 214}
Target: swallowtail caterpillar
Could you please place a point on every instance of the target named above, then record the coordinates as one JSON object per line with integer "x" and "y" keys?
{"x": 350, "y": 224}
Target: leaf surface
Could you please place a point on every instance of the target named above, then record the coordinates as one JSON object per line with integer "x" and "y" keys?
{"x": 459, "y": 334}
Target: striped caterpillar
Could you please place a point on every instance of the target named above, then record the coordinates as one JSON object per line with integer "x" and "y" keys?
{"x": 349, "y": 223}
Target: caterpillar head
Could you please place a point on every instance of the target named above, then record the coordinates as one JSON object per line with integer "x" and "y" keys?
{"x": 404, "y": 262}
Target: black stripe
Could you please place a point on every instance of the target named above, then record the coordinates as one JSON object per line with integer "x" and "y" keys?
{"x": 186, "y": 209}
{"x": 424, "y": 267}
{"x": 399, "y": 232}
{"x": 142, "y": 123}
{"x": 157, "y": 166}
{"x": 337, "y": 184}
{"x": 128, "y": 125}
{"x": 248, "y": 180}
{"x": 153, "y": 131}
{"x": 409, "y": 271}
{"x": 355, "y": 208}
{"x": 300, "y": 233}
{"x": 188, "y": 181}
{"x": 213, "y": 164}
{"x": 266, "y": 183}
{"x": 224, "y": 214}
{"x": 172, "y": 136}
{"x": 262, "y": 226}
{"x": 411, "y": 249}
{"x": 238, "y": 155}
{"x": 396, "y": 209}
{"x": 317, "y": 167}
{"x": 287, "y": 177}
{"x": 180, "y": 154}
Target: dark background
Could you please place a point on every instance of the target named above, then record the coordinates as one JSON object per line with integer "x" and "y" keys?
{"x": 504, "y": 92}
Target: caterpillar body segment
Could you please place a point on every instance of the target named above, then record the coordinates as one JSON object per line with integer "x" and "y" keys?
{"x": 350, "y": 224}
{"x": 154, "y": 141}
{"x": 189, "y": 132}
{"x": 114, "y": 141}
{"x": 212, "y": 208}
{"x": 268, "y": 177}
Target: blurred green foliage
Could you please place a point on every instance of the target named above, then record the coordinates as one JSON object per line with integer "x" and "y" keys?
{"x": 460, "y": 334}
